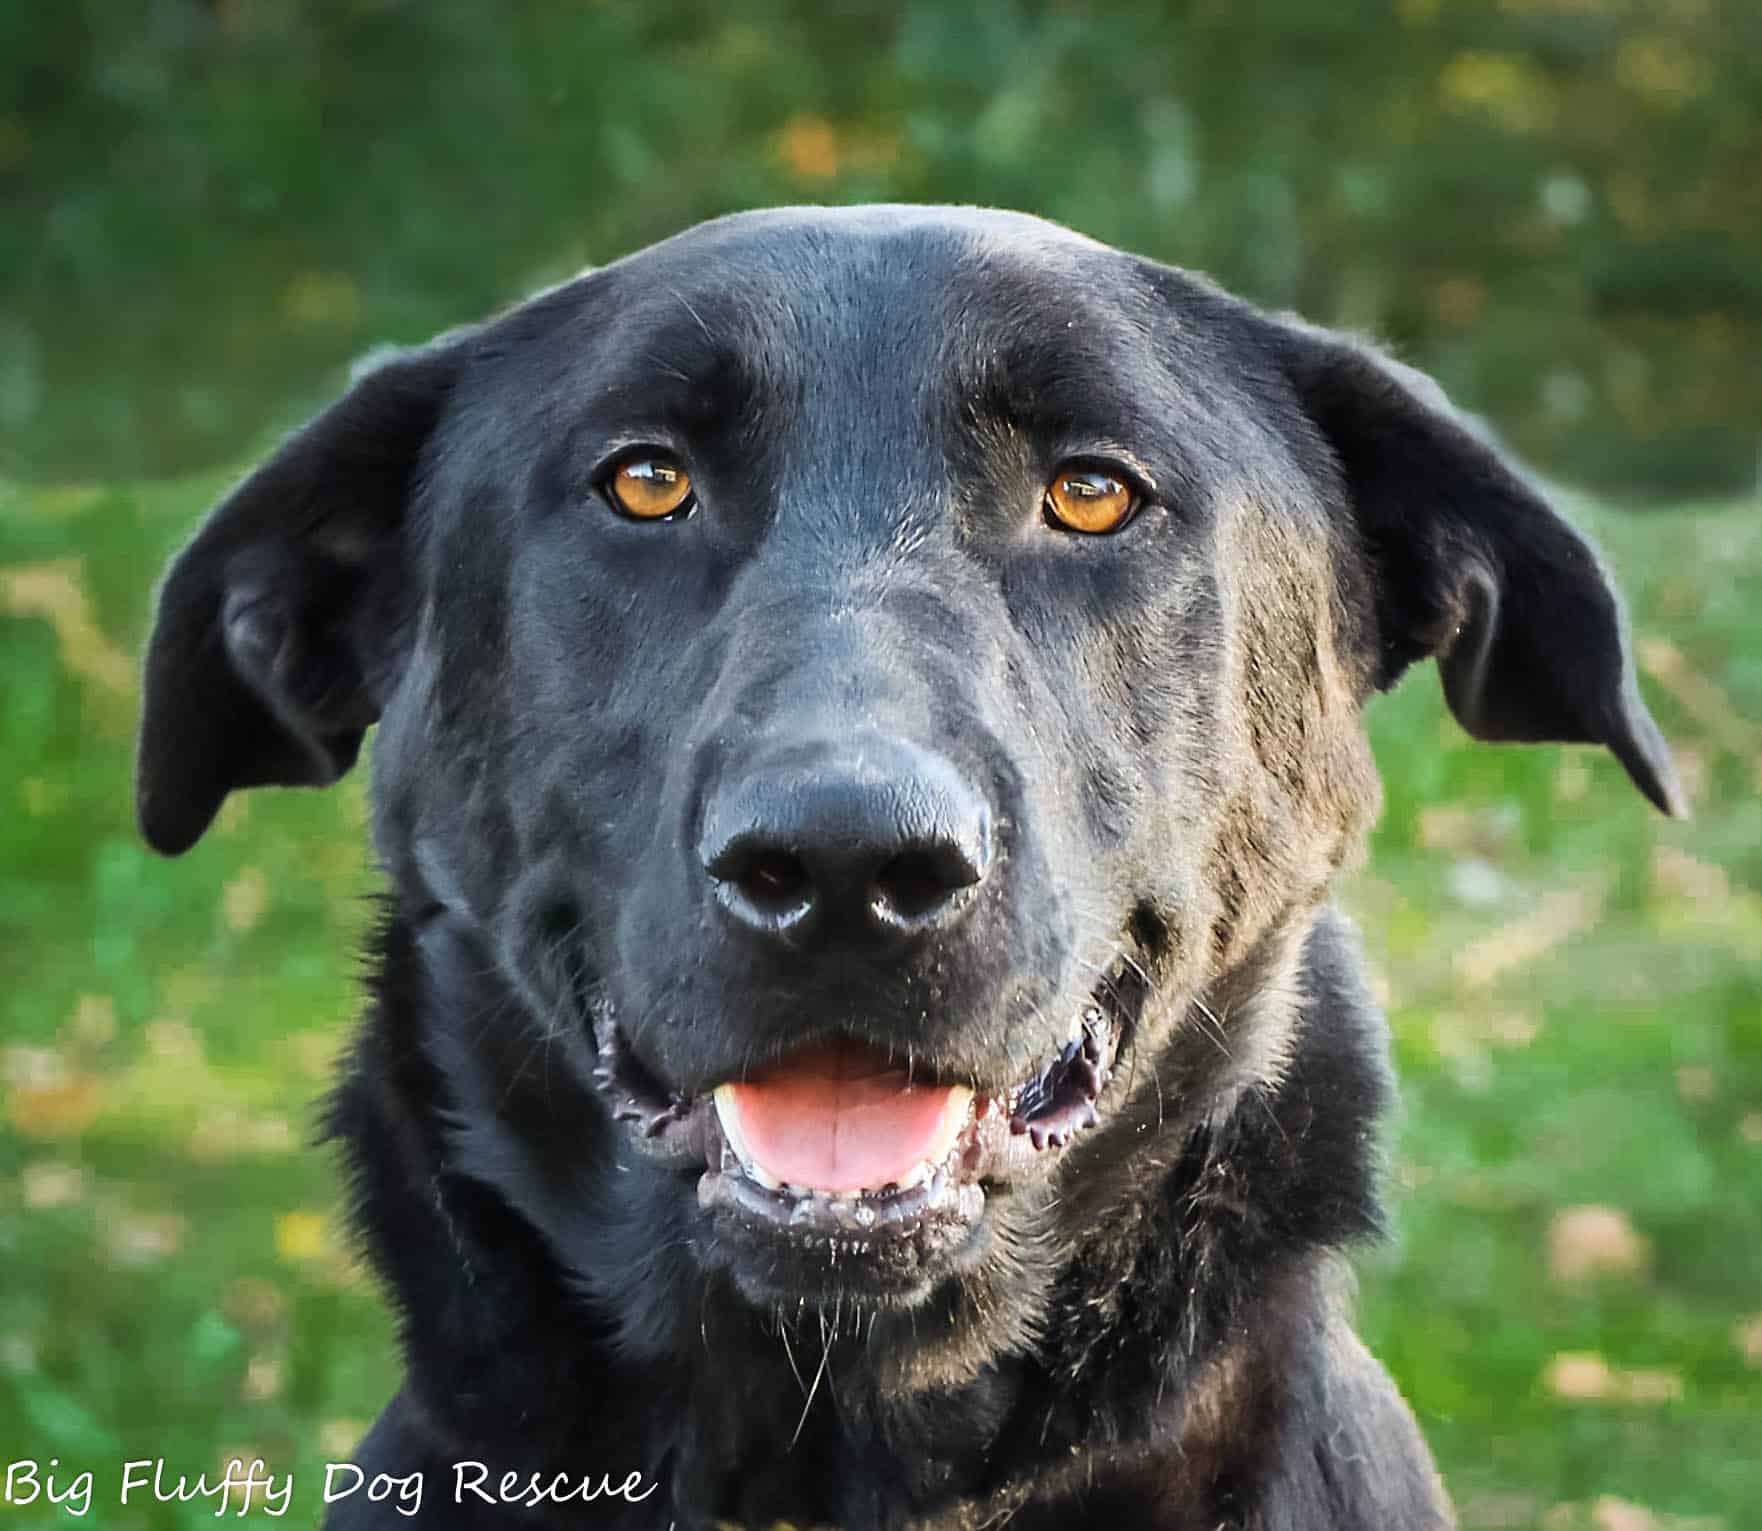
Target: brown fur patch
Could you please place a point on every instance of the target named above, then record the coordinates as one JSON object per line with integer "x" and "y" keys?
{"x": 1307, "y": 788}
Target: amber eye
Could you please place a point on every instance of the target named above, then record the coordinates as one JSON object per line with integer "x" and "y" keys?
{"x": 650, "y": 487}
{"x": 1089, "y": 499}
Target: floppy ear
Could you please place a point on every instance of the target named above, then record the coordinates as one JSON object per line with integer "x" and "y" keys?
{"x": 280, "y": 626}
{"x": 1471, "y": 565}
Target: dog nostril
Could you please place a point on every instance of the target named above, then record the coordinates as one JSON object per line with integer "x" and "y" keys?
{"x": 774, "y": 880}
{"x": 916, "y": 883}
{"x": 867, "y": 841}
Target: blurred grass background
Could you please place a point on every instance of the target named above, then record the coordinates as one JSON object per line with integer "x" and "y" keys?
{"x": 1556, "y": 205}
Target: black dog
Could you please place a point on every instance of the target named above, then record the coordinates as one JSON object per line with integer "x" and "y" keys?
{"x": 868, "y": 714}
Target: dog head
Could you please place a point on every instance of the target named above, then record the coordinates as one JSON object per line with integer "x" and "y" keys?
{"x": 880, "y": 689}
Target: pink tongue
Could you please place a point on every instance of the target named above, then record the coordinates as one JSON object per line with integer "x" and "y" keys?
{"x": 839, "y": 1118}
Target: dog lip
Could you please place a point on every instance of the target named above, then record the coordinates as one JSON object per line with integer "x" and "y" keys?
{"x": 898, "y": 1212}
{"x": 1003, "y": 1136}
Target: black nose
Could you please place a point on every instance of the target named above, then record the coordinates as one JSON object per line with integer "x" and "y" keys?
{"x": 872, "y": 836}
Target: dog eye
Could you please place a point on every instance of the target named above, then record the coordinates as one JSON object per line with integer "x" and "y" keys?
{"x": 650, "y": 487}
{"x": 1083, "y": 498}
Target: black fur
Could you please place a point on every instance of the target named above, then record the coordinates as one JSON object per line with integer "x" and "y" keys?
{"x": 1144, "y": 747}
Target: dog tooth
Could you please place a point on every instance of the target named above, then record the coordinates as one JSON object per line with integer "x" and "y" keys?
{"x": 728, "y": 1114}
{"x": 954, "y": 1121}
{"x": 915, "y": 1176}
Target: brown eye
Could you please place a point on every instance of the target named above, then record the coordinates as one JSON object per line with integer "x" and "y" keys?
{"x": 1091, "y": 500}
{"x": 650, "y": 487}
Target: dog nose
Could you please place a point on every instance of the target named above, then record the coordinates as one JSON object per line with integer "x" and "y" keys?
{"x": 876, "y": 837}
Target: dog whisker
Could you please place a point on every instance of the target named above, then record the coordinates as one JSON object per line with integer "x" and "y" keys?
{"x": 814, "y": 1387}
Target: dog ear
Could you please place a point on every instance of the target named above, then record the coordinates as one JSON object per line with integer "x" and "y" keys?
{"x": 280, "y": 626}
{"x": 1472, "y": 566}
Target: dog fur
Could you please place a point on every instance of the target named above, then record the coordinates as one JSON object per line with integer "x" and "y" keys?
{"x": 1149, "y": 1327}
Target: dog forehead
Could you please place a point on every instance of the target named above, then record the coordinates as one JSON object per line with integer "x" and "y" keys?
{"x": 840, "y": 329}
{"x": 847, "y": 350}
{"x": 877, "y": 290}
{"x": 796, "y": 239}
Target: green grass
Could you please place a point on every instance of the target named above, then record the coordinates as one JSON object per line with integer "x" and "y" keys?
{"x": 1576, "y": 989}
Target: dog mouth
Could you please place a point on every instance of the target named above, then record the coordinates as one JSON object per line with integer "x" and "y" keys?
{"x": 838, "y": 1139}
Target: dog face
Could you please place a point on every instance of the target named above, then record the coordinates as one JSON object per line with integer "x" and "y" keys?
{"x": 880, "y": 690}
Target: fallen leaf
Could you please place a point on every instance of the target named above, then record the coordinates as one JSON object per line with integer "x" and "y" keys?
{"x": 56, "y": 593}
{"x": 50, "y": 1183}
{"x": 226, "y": 1132}
{"x": 1612, "y": 1514}
{"x": 1677, "y": 874}
{"x": 262, "y": 1379}
{"x": 1572, "y": 781}
{"x": 26, "y": 1067}
{"x": 300, "y": 1235}
{"x": 18, "y": 1353}
{"x": 144, "y": 1238}
{"x": 1585, "y": 1377}
{"x": 1579, "y": 1376}
{"x": 1607, "y": 1513}
{"x": 63, "y": 1109}
{"x": 1650, "y": 1384}
{"x": 1560, "y": 916}
{"x": 1591, "y": 1241}
{"x": 1746, "y": 1334}
{"x": 808, "y": 146}
{"x": 254, "y": 1305}
{"x": 93, "y": 1022}
{"x": 175, "y": 1041}
{"x": 1465, "y": 829}
{"x": 237, "y": 1461}
{"x": 338, "y": 1438}
{"x": 244, "y": 900}
{"x": 1496, "y": 1512}
{"x": 1703, "y": 700}
{"x": 1696, "y": 1082}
